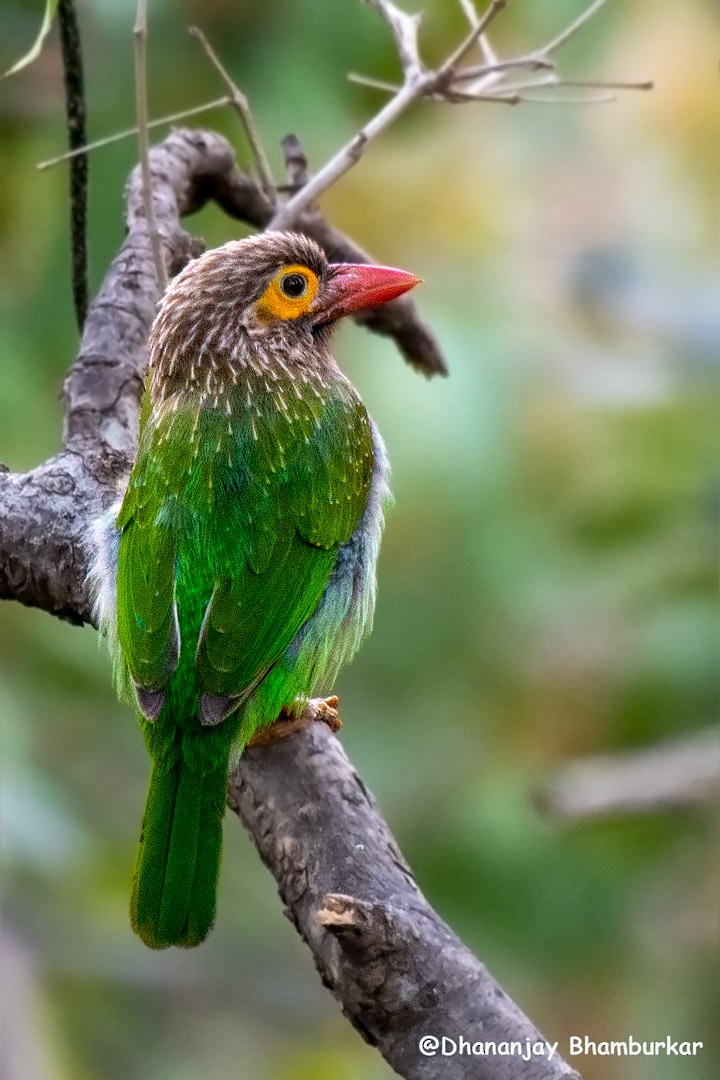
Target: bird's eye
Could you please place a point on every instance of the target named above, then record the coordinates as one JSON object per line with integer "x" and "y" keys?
{"x": 289, "y": 295}
{"x": 294, "y": 285}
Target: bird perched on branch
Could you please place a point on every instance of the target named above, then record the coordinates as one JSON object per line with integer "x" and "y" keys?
{"x": 237, "y": 575}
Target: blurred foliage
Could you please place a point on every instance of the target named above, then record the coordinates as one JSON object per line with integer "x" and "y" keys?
{"x": 547, "y": 581}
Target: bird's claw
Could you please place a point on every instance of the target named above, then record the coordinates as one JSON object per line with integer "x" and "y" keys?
{"x": 326, "y": 711}
{"x": 323, "y": 710}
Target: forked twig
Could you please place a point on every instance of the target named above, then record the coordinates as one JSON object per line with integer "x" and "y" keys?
{"x": 141, "y": 105}
{"x": 495, "y": 67}
{"x": 417, "y": 82}
{"x": 452, "y": 82}
{"x": 447, "y": 70}
{"x": 486, "y": 75}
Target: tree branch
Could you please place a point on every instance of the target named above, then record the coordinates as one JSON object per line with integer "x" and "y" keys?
{"x": 395, "y": 967}
{"x": 668, "y": 775}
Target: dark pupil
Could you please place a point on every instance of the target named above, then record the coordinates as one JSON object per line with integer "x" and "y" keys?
{"x": 293, "y": 285}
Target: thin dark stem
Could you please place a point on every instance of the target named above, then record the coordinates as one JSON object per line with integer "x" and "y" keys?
{"x": 75, "y": 114}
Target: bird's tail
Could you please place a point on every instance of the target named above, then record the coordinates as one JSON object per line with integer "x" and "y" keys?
{"x": 173, "y": 897}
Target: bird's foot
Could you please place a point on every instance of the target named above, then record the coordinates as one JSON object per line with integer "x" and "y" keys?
{"x": 323, "y": 710}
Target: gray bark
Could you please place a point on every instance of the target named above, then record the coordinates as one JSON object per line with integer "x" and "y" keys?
{"x": 397, "y": 970}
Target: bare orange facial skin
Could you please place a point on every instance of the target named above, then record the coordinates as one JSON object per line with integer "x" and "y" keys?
{"x": 289, "y": 294}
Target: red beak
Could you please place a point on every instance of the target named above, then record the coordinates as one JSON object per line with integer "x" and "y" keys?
{"x": 354, "y": 286}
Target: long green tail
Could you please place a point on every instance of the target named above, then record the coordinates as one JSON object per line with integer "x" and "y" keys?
{"x": 173, "y": 898}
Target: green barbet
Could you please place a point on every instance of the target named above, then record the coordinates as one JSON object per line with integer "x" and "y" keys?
{"x": 237, "y": 574}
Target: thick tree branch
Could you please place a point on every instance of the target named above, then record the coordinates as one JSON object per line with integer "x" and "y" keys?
{"x": 397, "y": 970}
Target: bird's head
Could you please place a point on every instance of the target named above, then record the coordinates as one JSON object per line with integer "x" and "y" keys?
{"x": 274, "y": 289}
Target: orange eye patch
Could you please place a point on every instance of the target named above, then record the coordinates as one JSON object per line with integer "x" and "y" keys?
{"x": 289, "y": 294}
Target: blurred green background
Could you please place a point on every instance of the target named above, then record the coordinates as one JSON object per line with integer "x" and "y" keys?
{"x": 547, "y": 582}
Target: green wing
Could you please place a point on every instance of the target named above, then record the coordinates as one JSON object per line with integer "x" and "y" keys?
{"x": 312, "y": 503}
{"x": 252, "y": 617}
{"x": 245, "y": 520}
{"x": 147, "y": 619}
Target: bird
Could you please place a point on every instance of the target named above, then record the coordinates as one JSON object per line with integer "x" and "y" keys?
{"x": 236, "y": 573}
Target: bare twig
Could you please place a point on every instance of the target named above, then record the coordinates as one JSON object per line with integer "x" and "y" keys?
{"x": 608, "y": 84}
{"x": 563, "y": 99}
{"x": 491, "y": 63}
{"x": 343, "y": 161}
{"x": 404, "y": 28}
{"x": 532, "y": 63}
{"x": 345, "y": 158}
{"x": 463, "y": 97}
{"x": 416, "y": 83}
{"x": 543, "y": 57}
{"x": 241, "y": 105}
{"x": 374, "y": 84}
{"x": 450, "y": 82}
{"x": 127, "y": 133}
{"x": 573, "y": 28}
{"x": 684, "y": 772}
{"x": 141, "y": 105}
{"x": 502, "y": 67}
{"x": 450, "y": 66}
{"x": 449, "y": 96}
{"x": 470, "y": 12}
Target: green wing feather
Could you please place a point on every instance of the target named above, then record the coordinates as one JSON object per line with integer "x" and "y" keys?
{"x": 240, "y": 522}
{"x": 252, "y": 617}
{"x": 314, "y": 499}
{"x": 147, "y": 621}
